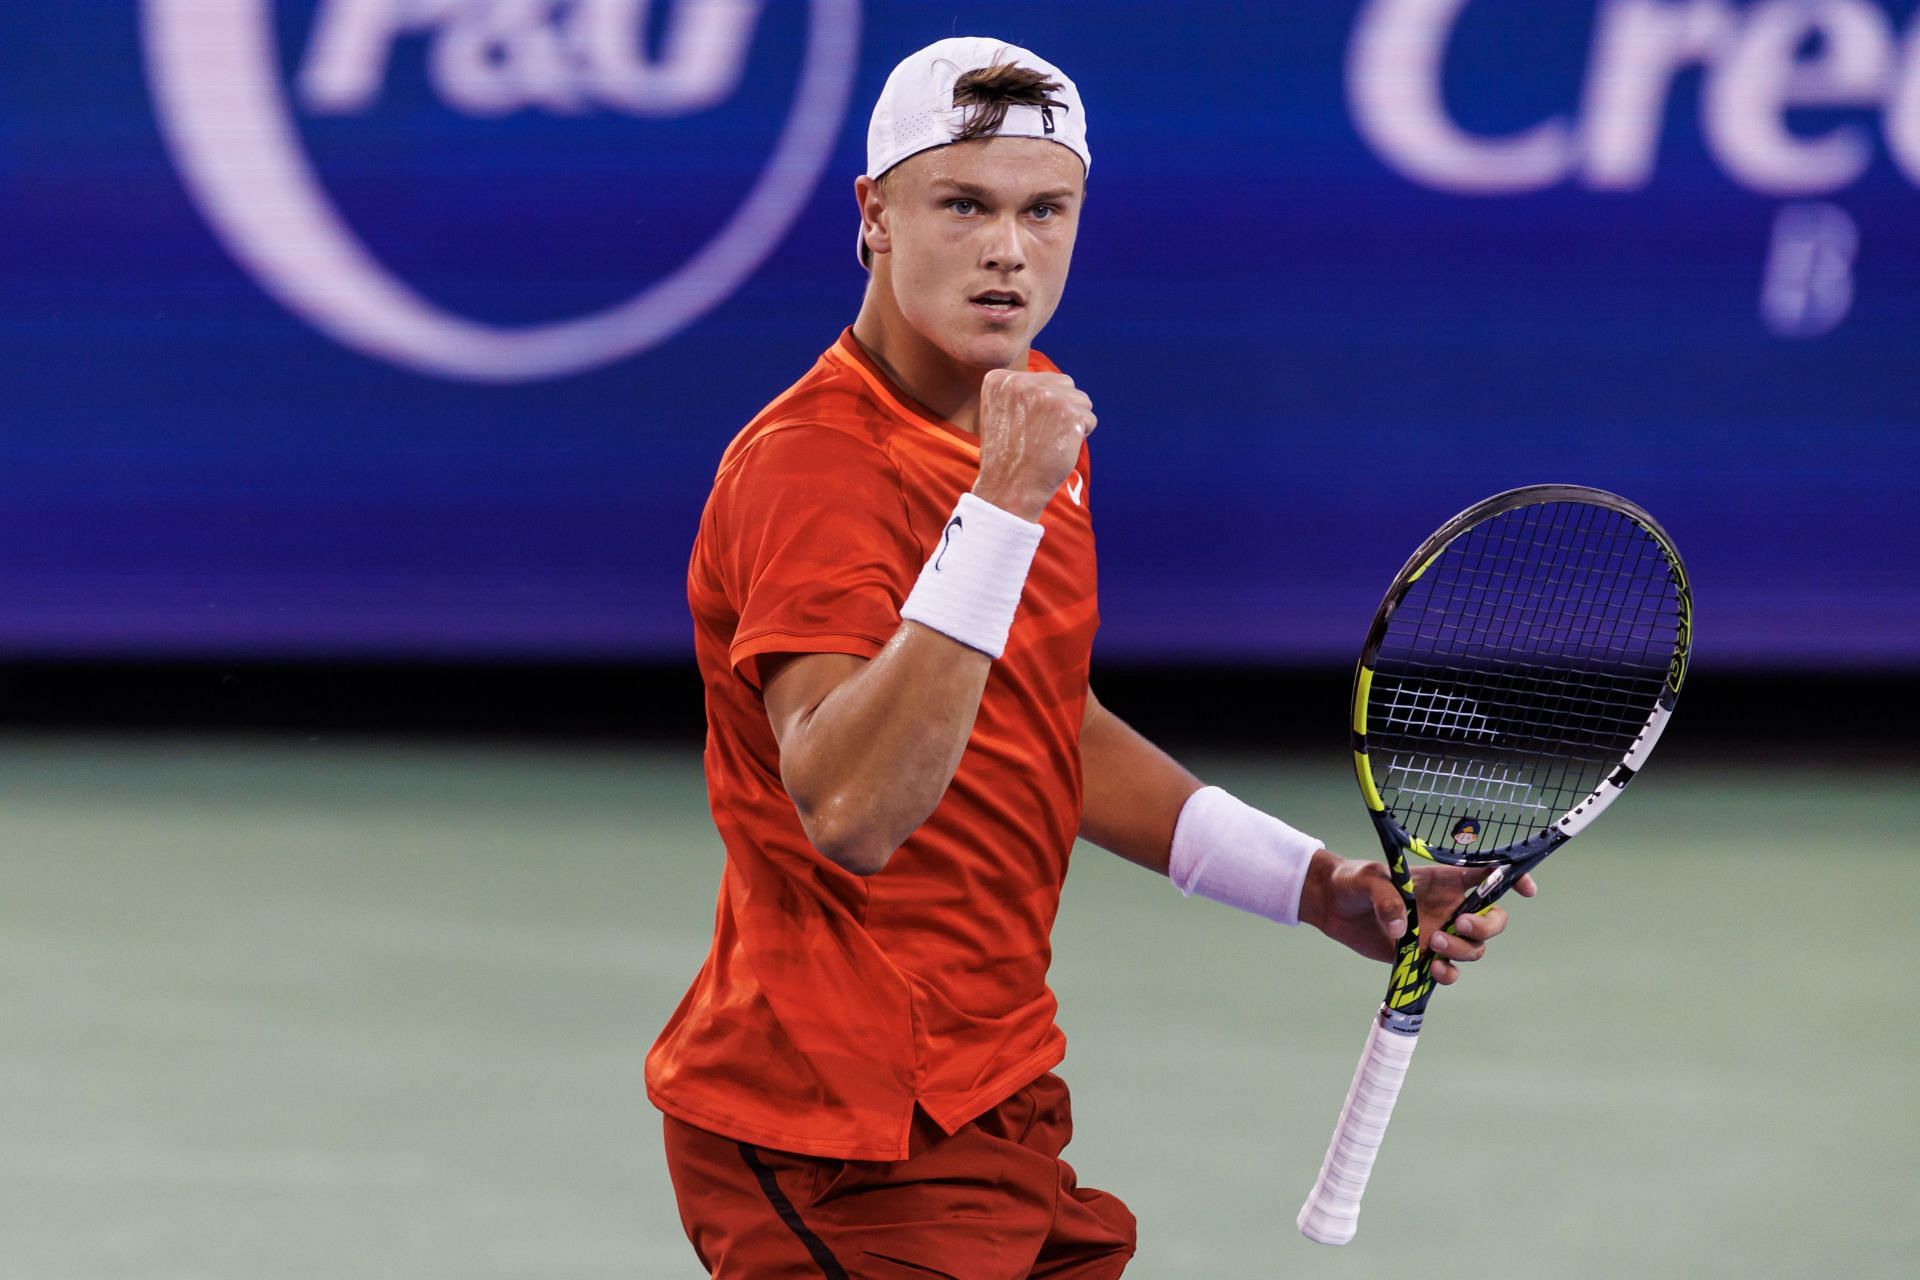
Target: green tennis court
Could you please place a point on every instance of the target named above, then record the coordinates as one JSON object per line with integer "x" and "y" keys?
{"x": 333, "y": 1009}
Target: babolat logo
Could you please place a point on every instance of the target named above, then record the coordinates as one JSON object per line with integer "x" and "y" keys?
{"x": 500, "y": 190}
{"x": 1760, "y": 63}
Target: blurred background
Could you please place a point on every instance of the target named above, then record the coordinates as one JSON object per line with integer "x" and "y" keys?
{"x": 366, "y": 364}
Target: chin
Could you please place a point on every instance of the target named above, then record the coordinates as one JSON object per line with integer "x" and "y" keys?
{"x": 991, "y": 350}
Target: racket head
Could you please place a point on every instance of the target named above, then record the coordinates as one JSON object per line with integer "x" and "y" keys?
{"x": 1517, "y": 673}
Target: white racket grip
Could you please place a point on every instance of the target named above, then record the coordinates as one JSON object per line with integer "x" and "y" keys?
{"x": 1332, "y": 1212}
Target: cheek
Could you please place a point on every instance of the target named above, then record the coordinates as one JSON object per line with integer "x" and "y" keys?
{"x": 1050, "y": 265}
{"x": 1057, "y": 252}
{"x": 930, "y": 273}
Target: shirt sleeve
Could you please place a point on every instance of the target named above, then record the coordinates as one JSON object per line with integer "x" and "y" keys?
{"x": 815, "y": 553}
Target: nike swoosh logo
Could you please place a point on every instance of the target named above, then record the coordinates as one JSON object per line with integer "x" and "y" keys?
{"x": 1075, "y": 483}
{"x": 946, "y": 540}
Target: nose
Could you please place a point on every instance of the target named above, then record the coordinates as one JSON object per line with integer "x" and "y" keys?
{"x": 1003, "y": 250}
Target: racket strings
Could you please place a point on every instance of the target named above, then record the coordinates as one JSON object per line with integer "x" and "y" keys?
{"x": 1519, "y": 668}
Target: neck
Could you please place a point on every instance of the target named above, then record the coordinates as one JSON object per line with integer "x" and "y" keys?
{"x": 918, "y": 367}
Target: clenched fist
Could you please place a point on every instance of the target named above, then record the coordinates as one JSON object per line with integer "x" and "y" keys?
{"x": 1031, "y": 426}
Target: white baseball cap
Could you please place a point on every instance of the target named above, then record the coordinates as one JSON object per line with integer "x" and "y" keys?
{"x": 915, "y": 112}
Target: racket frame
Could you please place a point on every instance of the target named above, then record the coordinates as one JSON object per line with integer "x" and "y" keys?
{"x": 1331, "y": 1212}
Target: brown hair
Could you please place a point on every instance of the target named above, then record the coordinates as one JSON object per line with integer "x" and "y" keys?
{"x": 991, "y": 90}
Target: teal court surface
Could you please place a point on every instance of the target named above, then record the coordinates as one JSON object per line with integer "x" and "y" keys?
{"x": 324, "y": 1010}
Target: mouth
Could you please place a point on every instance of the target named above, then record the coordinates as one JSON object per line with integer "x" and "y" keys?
{"x": 1002, "y": 304}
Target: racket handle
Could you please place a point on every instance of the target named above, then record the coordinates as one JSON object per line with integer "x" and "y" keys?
{"x": 1332, "y": 1211}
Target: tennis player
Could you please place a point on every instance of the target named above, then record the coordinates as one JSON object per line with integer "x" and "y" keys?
{"x": 893, "y": 599}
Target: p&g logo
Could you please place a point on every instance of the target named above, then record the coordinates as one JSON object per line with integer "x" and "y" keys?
{"x": 234, "y": 130}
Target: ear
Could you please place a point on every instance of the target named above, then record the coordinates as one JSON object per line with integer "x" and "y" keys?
{"x": 872, "y": 199}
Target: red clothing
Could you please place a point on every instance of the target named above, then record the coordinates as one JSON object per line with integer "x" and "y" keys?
{"x": 993, "y": 1201}
{"x": 830, "y": 1003}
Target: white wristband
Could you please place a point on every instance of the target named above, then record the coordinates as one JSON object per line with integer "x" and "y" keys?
{"x": 970, "y": 587}
{"x": 1231, "y": 852}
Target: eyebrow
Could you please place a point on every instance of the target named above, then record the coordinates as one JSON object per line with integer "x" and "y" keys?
{"x": 973, "y": 192}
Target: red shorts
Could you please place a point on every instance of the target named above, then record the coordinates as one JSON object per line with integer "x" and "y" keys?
{"x": 991, "y": 1201}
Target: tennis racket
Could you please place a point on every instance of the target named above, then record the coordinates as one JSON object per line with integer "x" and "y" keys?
{"x": 1517, "y": 674}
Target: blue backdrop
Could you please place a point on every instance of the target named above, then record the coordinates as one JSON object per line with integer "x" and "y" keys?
{"x": 416, "y": 327}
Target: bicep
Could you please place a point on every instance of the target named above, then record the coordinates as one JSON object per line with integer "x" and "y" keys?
{"x": 795, "y": 684}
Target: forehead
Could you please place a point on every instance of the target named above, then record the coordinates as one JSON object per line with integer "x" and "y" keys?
{"x": 1011, "y": 167}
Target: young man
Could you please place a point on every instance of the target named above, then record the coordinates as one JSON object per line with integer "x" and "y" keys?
{"x": 893, "y": 595}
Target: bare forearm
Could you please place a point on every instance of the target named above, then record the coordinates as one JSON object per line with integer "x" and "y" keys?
{"x": 1133, "y": 791}
{"x": 869, "y": 761}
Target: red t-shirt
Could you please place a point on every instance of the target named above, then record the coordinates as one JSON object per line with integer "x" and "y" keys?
{"x": 831, "y": 1003}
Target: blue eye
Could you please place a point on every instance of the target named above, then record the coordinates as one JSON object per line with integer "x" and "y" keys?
{"x": 962, "y": 207}
{"x": 1044, "y": 211}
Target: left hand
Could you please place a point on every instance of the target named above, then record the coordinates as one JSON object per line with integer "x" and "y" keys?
{"x": 1352, "y": 901}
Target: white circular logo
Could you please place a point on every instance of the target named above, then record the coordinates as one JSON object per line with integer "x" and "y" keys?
{"x": 227, "y": 121}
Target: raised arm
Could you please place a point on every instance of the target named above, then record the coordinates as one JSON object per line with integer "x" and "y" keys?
{"x": 867, "y": 748}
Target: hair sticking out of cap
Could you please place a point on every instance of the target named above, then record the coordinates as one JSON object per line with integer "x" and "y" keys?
{"x": 990, "y": 90}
